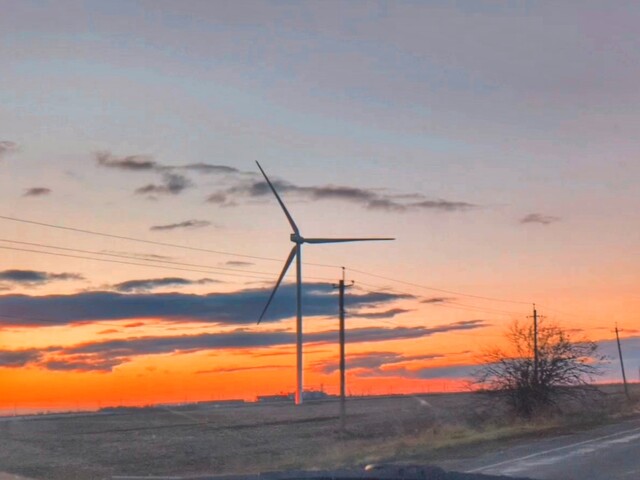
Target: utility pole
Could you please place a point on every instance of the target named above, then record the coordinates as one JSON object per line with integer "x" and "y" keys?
{"x": 343, "y": 384}
{"x": 536, "y": 360}
{"x": 624, "y": 376}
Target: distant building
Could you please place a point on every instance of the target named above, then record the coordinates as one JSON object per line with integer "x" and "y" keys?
{"x": 307, "y": 395}
{"x": 315, "y": 395}
{"x": 282, "y": 398}
{"x": 222, "y": 403}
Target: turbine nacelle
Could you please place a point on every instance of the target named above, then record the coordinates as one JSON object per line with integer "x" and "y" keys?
{"x": 296, "y": 238}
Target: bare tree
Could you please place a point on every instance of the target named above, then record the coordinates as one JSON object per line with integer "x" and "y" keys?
{"x": 566, "y": 368}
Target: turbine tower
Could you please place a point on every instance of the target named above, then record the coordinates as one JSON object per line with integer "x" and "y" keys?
{"x": 296, "y": 252}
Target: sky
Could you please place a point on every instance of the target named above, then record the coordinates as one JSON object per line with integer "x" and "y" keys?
{"x": 496, "y": 141}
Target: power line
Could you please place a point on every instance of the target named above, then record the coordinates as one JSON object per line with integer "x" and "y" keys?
{"x": 471, "y": 308}
{"x": 255, "y": 257}
{"x": 485, "y": 309}
{"x": 123, "y": 262}
{"x": 441, "y": 290}
{"x": 153, "y": 242}
{"x": 131, "y": 257}
{"x": 220, "y": 252}
{"x": 252, "y": 274}
{"x": 453, "y": 305}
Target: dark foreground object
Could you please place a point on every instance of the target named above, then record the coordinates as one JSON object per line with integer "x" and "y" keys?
{"x": 371, "y": 472}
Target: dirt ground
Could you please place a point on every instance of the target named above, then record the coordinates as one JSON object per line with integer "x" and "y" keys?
{"x": 202, "y": 439}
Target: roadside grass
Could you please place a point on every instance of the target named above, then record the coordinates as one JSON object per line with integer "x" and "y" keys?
{"x": 450, "y": 438}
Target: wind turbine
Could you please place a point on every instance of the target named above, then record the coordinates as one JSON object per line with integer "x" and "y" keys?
{"x": 296, "y": 252}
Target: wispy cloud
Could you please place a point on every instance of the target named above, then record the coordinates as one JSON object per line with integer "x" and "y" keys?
{"x": 394, "y": 364}
{"x": 437, "y": 300}
{"x": 35, "y": 277}
{"x": 539, "y": 218}
{"x": 373, "y": 361}
{"x": 186, "y": 224}
{"x": 252, "y": 188}
{"x": 172, "y": 184}
{"x": 390, "y": 313}
{"x": 462, "y": 371}
{"x": 205, "y": 168}
{"x": 7, "y": 148}
{"x": 135, "y": 163}
{"x": 242, "y": 187}
{"x": 243, "y": 369}
{"x": 149, "y": 284}
{"x": 238, "y": 263}
{"x": 108, "y": 331}
{"x": 36, "y": 192}
{"x": 172, "y": 181}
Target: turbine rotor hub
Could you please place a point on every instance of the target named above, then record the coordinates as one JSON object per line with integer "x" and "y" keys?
{"x": 295, "y": 238}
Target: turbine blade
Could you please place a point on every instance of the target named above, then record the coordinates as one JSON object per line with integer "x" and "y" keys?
{"x": 287, "y": 264}
{"x": 342, "y": 240}
{"x": 286, "y": 212}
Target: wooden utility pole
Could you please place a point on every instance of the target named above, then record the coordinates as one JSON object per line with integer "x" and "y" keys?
{"x": 624, "y": 376}
{"x": 536, "y": 360}
{"x": 343, "y": 384}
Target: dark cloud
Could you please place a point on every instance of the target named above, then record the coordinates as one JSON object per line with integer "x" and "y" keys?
{"x": 185, "y": 224}
{"x": 172, "y": 184}
{"x": 36, "y": 192}
{"x": 18, "y": 358}
{"x": 392, "y": 312}
{"x": 239, "y": 307}
{"x": 437, "y": 300}
{"x": 7, "y": 148}
{"x": 539, "y": 218}
{"x": 239, "y": 263}
{"x": 34, "y": 277}
{"x": 104, "y": 355}
{"x": 82, "y": 363}
{"x": 134, "y": 163}
{"x": 247, "y": 189}
{"x": 148, "y": 284}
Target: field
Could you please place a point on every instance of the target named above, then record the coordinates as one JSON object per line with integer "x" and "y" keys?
{"x": 203, "y": 439}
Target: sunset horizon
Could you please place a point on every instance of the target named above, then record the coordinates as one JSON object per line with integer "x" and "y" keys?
{"x": 140, "y": 242}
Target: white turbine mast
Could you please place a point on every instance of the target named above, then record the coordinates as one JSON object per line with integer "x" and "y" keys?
{"x": 296, "y": 252}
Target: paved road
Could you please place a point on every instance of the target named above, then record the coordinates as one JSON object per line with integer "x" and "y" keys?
{"x": 10, "y": 476}
{"x": 605, "y": 453}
